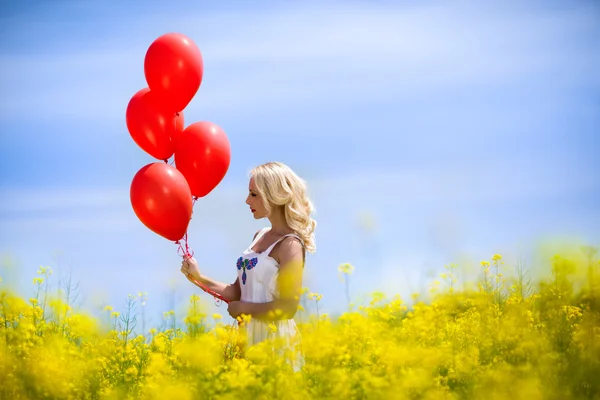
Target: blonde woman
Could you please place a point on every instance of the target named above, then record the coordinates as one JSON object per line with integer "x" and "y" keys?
{"x": 269, "y": 270}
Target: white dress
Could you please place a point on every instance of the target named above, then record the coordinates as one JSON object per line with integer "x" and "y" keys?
{"x": 258, "y": 274}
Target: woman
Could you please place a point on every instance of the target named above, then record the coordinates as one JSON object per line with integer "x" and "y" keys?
{"x": 270, "y": 270}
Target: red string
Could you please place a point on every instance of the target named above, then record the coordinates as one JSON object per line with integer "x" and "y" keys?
{"x": 216, "y": 295}
{"x": 184, "y": 251}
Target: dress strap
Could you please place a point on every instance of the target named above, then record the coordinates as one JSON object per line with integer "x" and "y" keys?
{"x": 268, "y": 251}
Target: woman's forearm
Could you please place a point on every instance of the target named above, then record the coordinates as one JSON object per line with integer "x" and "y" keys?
{"x": 230, "y": 292}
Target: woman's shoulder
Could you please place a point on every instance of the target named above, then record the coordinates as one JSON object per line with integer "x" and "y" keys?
{"x": 290, "y": 249}
{"x": 291, "y": 244}
{"x": 292, "y": 241}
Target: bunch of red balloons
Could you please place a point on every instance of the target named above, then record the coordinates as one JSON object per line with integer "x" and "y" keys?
{"x": 163, "y": 195}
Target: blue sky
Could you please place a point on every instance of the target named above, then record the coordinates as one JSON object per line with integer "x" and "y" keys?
{"x": 463, "y": 129}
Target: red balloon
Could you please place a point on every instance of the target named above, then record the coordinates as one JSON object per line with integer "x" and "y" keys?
{"x": 162, "y": 200}
{"x": 173, "y": 67}
{"x": 151, "y": 126}
{"x": 203, "y": 154}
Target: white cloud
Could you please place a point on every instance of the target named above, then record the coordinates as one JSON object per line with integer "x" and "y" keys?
{"x": 458, "y": 182}
{"x": 44, "y": 199}
{"x": 72, "y": 225}
{"x": 353, "y": 54}
{"x": 429, "y": 207}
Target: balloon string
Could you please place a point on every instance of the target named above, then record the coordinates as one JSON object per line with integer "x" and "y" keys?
{"x": 185, "y": 253}
{"x": 184, "y": 250}
{"x": 217, "y": 296}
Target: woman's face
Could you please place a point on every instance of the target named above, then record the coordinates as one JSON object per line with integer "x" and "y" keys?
{"x": 257, "y": 206}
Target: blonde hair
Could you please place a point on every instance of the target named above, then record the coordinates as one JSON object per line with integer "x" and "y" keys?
{"x": 278, "y": 185}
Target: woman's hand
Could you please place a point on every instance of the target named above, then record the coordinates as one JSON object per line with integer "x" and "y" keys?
{"x": 189, "y": 267}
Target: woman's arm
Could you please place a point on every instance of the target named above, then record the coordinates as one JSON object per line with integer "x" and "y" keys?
{"x": 230, "y": 292}
{"x": 289, "y": 283}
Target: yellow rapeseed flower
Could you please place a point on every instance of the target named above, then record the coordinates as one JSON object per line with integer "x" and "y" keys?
{"x": 272, "y": 327}
{"x": 315, "y": 296}
{"x": 498, "y": 343}
{"x": 346, "y": 268}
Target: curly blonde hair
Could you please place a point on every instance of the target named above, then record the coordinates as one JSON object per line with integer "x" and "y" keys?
{"x": 278, "y": 185}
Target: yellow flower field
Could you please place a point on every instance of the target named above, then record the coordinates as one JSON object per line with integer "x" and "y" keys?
{"x": 503, "y": 338}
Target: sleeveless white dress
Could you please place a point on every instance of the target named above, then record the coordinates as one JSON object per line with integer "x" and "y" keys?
{"x": 258, "y": 274}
